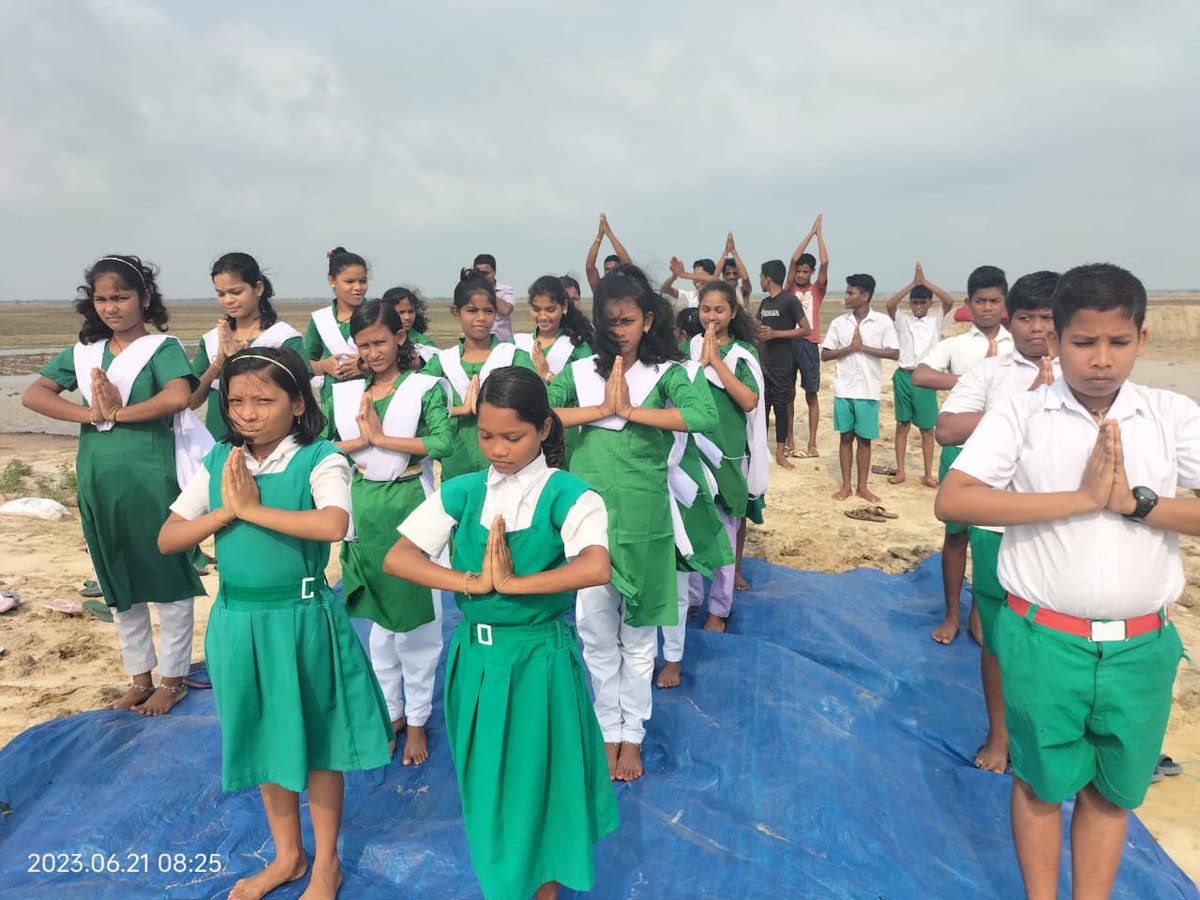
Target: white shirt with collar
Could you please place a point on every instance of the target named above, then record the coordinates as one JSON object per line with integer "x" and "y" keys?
{"x": 329, "y": 480}
{"x": 917, "y": 335}
{"x": 515, "y": 497}
{"x": 957, "y": 354}
{"x": 502, "y": 327}
{"x": 1098, "y": 565}
{"x": 858, "y": 375}
{"x": 687, "y": 299}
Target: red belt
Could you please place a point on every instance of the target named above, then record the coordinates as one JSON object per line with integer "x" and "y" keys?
{"x": 1093, "y": 630}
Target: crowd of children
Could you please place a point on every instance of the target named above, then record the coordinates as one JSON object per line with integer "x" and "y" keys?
{"x": 609, "y": 467}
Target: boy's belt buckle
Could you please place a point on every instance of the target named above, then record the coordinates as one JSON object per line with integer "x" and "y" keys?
{"x": 483, "y": 634}
{"x": 1108, "y": 631}
{"x": 306, "y": 590}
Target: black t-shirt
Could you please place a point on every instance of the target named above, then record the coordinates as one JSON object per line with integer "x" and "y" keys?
{"x": 783, "y": 312}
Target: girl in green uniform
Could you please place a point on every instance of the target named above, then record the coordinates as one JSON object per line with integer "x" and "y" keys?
{"x": 410, "y": 305}
{"x": 293, "y": 687}
{"x": 327, "y": 341}
{"x": 392, "y": 425}
{"x": 728, "y": 353}
{"x": 629, "y": 398}
{"x": 468, "y": 364}
{"x": 527, "y": 750}
{"x": 133, "y": 385}
{"x": 250, "y": 321}
{"x": 562, "y": 334}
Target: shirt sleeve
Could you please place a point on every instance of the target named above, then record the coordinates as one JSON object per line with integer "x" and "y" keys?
{"x": 61, "y": 370}
{"x": 990, "y": 454}
{"x": 524, "y": 360}
{"x": 699, "y": 412}
{"x": 296, "y": 345}
{"x": 586, "y": 525}
{"x": 743, "y": 373}
{"x": 562, "y": 390}
{"x": 938, "y": 356}
{"x": 1187, "y": 441}
{"x": 313, "y": 345}
{"x": 833, "y": 340}
{"x": 429, "y": 526}
{"x": 435, "y": 417}
{"x": 200, "y": 362}
{"x": 330, "y": 482}
{"x": 170, "y": 362}
{"x": 330, "y": 431}
{"x": 434, "y": 367}
{"x": 969, "y": 395}
{"x": 192, "y": 501}
{"x": 891, "y": 340}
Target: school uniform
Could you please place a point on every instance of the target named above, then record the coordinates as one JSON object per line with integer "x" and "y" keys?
{"x": 626, "y": 464}
{"x": 406, "y": 632}
{"x": 525, "y": 743}
{"x": 327, "y": 336}
{"x": 281, "y": 334}
{"x": 559, "y": 354}
{"x": 425, "y": 347}
{"x": 956, "y": 355}
{"x": 1086, "y": 654}
{"x": 857, "y": 378}
{"x": 979, "y": 389}
{"x": 291, "y": 682}
{"x": 128, "y": 474}
{"x": 448, "y": 364}
{"x": 916, "y": 335}
{"x": 502, "y": 327}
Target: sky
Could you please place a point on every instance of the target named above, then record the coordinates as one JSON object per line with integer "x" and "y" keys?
{"x": 1028, "y": 135}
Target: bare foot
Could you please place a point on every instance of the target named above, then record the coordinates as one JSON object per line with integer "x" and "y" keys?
{"x": 929, "y": 481}
{"x": 993, "y": 756}
{"x": 611, "y": 751}
{"x": 866, "y": 495}
{"x": 781, "y": 460}
{"x": 714, "y": 623}
{"x": 974, "y": 626}
{"x": 399, "y": 724}
{"x": 162, "y": 701}
{"x": 629, "y": 762}
{"x": 898, "y": 478}
{"x": 134, "y": 694}
{"x": 416, "y": 750}
{"x": 740, "y": 583}
{"x": 548, "y": 891}
{"x": 842, "y": 493}
{"x": 325, "y": 883}
{"x": 668, "y": 675}
{"x": 811, "y": 452}
{"x": 947, "y": 631}
{"x": 279, "y": 872}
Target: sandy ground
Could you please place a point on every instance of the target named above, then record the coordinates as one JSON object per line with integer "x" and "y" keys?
{"x": 55, "y": 666}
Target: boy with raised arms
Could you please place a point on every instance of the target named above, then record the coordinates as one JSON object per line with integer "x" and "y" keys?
{"x": 614, "y": 259}
{"x": 807, "y": 354}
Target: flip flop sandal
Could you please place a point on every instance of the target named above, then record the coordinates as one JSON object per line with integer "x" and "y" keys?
{"x": 197, "y": 677}
{"x": 1167, "y": 766}
{"x": 91, "y": 589}
{"x": 97, "y": 609}
{"x": 864, "y": 514}
{"x": 9, "y": 600}
{"x": 66, "y": 607}
{"x": 884, "y": 470}
{"x": 880, "y": 511}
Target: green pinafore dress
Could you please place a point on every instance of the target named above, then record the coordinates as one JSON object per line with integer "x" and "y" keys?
{"x": 523, "y": 735}
{"x": 292, "y": 684}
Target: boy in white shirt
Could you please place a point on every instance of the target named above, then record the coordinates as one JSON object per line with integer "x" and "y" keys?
{"x": 940, "y": 370}
{"x": 1090, "y": 559}
{"x": 918, "y": 331}
{"x": 981, "y": 388}
{"x": 858, "y": 340}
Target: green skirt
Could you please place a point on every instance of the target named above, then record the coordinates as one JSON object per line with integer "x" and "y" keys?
{"x": 294, "y": 691}
{"x": 529, "y": 756}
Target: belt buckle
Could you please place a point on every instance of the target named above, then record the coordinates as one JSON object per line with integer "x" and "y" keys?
{"x": 483, "y": 635}
{"x": 1108, "y": 631}
{"x": 306, "y": 590}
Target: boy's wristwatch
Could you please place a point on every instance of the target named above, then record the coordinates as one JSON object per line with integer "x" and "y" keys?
{"x": 1146, "y": 500}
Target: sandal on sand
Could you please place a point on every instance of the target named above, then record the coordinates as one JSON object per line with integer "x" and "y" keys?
{"x": 66, "y": 607}
{"x": 9, "y": 600}
{"x": 884, "y": 470}
{"x": 864, "y": 514}
{"x": 91, "y": 588}
{"x": 880, "y": 511}
{"x": 1167, "y": 766}
{"x": 97, "y": 609}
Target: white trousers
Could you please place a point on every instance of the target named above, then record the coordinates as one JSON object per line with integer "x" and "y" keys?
{"x": 405, "y": 663}
{"x": 136, "y": 636}
{"x": 620, "y": 660}
{"x": 673, "y": 635}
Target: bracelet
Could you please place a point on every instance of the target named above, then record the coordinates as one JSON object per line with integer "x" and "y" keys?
{"x": 114, "y": 415}
{"x": 467, "y": 583}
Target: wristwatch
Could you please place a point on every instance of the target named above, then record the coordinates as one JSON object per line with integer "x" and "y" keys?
{"x": 1146, "y": 501}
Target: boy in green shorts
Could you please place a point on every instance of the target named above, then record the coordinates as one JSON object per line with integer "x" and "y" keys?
{"x": 917, "y": 331}
{"x": 1083, "y": 473}
{"x": 940, "y": 370}
{"x": 981, "y": 388}
{"x": 859, "y": 340}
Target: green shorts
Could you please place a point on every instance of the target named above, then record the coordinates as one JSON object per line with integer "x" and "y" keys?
{"x": 1081, "y": 713}
{"x": 914, "y": 404}
{"x": 985, "y": 585}
{"x": 945, "y": 460}
{"x": 859, "y": 416}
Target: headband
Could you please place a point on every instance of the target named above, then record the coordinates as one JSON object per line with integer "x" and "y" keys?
{"x": 141, "y": 277}
{"x": 273, "y": 362}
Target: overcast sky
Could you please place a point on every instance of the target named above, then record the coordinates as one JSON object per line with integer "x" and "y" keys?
{"x": 1023, "y": 134}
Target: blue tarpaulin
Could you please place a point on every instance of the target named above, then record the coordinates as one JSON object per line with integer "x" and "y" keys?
{"x": 821, "y": 748}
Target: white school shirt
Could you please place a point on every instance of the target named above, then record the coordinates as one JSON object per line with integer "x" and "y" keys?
{"x": 917, "y": 335}
{"x": 1098, "y": 565}
{"x": 957, "y": 354}
{"x": 502, "y": 327}
{"x": 515, "y": 497}
{"x": 686, "y": 299}
{"x": 858, "y": 375}
{"x": 330, "y": 480}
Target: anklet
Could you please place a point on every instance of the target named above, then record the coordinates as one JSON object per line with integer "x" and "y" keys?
{"x": 145, "y": 689}
{"x": 172, "y": 688}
